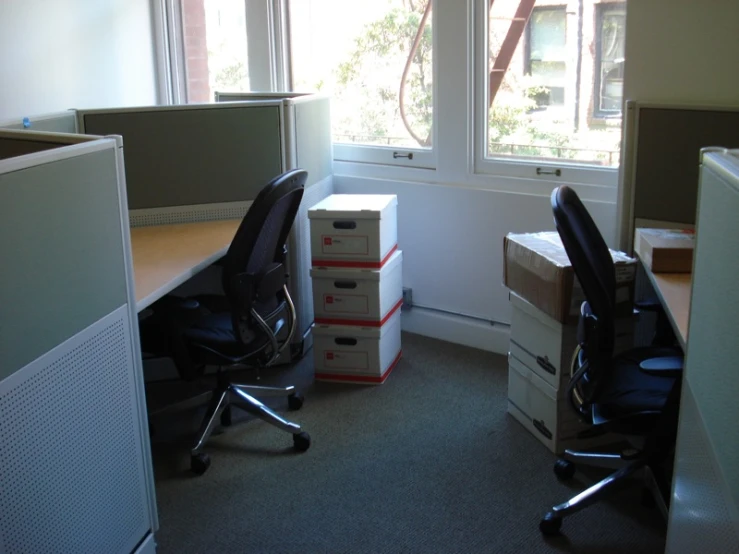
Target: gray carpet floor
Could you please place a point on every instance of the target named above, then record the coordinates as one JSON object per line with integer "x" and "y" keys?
{"x": 428, "y": 462}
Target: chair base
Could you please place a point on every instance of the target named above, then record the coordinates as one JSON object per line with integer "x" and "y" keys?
{"x": 629, "y": 465}
{"x": 218, "y": 414}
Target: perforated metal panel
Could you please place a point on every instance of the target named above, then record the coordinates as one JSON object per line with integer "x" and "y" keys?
{"x": 701, "y": 516}
{"x": 188, "y": 214}
{"x": 72, "y": 469}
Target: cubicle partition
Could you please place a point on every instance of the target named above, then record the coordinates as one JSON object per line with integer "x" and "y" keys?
{"x": 704, "y": 511}
{"x": 76, "y": 468}
{"x": 58, "y": 122}
{"x": 205, "y": 162}
{"x": 662, "y": 144}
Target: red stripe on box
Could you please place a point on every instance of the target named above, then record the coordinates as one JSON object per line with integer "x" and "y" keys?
{"x": 360, "y": 378}
{"x": 359, "y": 322}
{"x": 352, "y": 264}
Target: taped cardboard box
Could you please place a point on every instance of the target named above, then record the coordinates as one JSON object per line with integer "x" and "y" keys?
{"x": 538, "y": 269}
{"x": 665, "y": 250}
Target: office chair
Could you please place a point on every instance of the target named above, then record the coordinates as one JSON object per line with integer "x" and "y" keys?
{"x": 634, "y": 394}
{"x": 250, "y": 325}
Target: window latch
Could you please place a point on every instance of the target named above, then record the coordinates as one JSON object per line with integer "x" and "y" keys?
{"x": 557, "y": 172}
{"x": 397, "y": 155}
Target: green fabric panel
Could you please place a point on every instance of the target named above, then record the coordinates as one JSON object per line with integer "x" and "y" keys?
{"x": 61, "y": 251}
{"x": 194, "y": 156}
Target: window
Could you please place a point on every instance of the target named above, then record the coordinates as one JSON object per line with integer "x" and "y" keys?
{"x": 609, "y": 75}
{"x": 445, "y": 92}
{"x": 375, "y": 60}
{"x": 214, "y": 48}
{"x": 547, "y": 85}
{"x": 546, "y": 55}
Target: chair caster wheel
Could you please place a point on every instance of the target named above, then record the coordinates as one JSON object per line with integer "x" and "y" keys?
{"x": 295, "y": 401}
{"x": 550, "y": 525}
{"x": 199, "y": 463}
{"x": 564, "y": 469}
{"x": 301, "y": 441}
{"x": 226, "y": 417}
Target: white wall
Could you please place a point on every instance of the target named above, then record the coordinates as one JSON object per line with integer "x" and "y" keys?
{"x": 61, "y": 54}
{"x": 682, "y": 51}
{"x": 452, "y": 242}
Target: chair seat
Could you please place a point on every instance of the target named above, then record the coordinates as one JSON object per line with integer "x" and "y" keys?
{"x": 630, "y": 390}
{"x": 215, "y": 331}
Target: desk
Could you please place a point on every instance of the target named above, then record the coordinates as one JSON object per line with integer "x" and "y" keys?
{"x": 165, "y": 256}
{"x": 673, "y": 290}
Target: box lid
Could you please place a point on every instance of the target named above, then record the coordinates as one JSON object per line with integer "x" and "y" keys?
{"x": 353, "y": 206}
{"x": 356, "y": 331}
{"x": 667, "y": 238}
{"x": 357, "y": 274}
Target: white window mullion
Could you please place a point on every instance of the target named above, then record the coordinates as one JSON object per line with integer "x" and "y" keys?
{"x": 453, "y": 67}
{"x": 261, "y": 31}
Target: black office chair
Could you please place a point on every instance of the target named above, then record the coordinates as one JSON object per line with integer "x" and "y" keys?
{"x": 634, "y": 394}
{"x": 250, "y": 325}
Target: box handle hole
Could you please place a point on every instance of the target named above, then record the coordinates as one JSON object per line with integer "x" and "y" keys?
{"x": 345, "y": 225}
{"x": 345, "y": 341}
{"x": 345, "y": 284}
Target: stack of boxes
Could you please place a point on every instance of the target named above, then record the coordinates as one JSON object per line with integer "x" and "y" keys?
{"x": 545, "y": 304}
{"x": 357, "y": 284}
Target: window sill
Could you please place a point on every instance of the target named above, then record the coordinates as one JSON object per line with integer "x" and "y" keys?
{"x": 605, "y": 190}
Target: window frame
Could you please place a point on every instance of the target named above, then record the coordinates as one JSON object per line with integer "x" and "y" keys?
{"x": 601, "y": 9}
{"x": 518, "y": 168}
{"x": 419, "y": 158}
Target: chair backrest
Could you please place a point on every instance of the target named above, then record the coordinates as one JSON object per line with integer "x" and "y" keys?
{"x": 593, "y": 265}
{"x": 260, "y": 240}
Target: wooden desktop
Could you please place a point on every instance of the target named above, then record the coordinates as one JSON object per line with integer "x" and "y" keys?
{"x": 673, "y": 290}
{"x": 165, "y": 256}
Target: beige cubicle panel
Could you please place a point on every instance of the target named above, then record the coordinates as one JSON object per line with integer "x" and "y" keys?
{"x": 76, "y": 462}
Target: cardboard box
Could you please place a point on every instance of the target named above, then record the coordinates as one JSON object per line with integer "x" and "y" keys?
{"x": 538, "y": 269}
{"x": 361, "y": 355}
{"x": 353, "y": 230}
{"x": 546, "y": 346}
{"x": 665, "y": 250}
{"x": 363, "y": 297}
{"x": 546, "y": 412}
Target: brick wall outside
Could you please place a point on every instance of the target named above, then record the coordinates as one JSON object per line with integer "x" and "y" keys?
{"x": 196, "y": 50}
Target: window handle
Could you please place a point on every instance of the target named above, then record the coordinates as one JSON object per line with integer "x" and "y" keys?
{"x": 408, "y": 155}
{"x": 557, "y": 172}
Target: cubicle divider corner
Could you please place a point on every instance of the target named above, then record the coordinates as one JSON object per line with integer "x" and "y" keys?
{"x": 206, "y": 162}
{"x": 661, "y": 153}
{"x": 72, "y": 412}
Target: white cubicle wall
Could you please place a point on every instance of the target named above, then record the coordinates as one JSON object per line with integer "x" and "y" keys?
{"x": 58, "y": 122}
{"x": 77, "y": 474}
{"x": 704, "y": 513}
{"x": 208, "y": 161}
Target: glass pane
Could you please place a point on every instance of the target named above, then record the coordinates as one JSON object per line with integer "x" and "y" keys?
{"x": 357, "y": 51}
{"x": 612, "y": 35}
{"x": 215, "y": 49}
{"x": 546, "y": 94}
{"x": 548, "y": 35}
